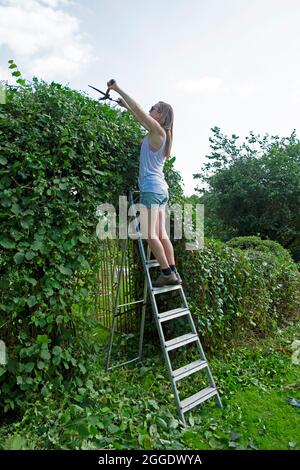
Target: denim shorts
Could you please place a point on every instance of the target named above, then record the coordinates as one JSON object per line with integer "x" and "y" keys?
{"x": 154, "y": 199}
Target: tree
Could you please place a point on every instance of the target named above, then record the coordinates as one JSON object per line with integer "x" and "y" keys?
{"x": 254, "y": 188}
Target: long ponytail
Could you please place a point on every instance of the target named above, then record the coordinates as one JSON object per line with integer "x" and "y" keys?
{"x": 166, "y": 123}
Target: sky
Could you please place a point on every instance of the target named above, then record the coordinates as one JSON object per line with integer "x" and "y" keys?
{"x": 227, "y": 63}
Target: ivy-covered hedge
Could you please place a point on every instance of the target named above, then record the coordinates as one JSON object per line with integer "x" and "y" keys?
{"x": 61, "y": 155}
{"x": 234, "y": 292}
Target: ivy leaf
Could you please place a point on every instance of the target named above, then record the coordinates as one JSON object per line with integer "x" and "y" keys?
{"x": 30, "y": 255}
{"x": 82, "y": 368}
{"x": 112, "y": 428}
{"x": 19, "y": 258}
{"x": 84, "y": 263}
{"x": 43, "y": 339}
{"x": 65, "y": 270}
{"x": 84, "y": 239}
{"x": 31, "y": 280}
{"x": 21, "y": 82}
{"x": 3, "y": 160}
{"x": 31, "y": 301}
{"x": 29, "y": 367}
{"x": 16, "y": 234}
{"x": 57, "y": 350}
{"x": 45, "y": 354}
{"x": 45, "y": 391}
{"x": 27, "y": 222}
{"x": 37, "y": 245}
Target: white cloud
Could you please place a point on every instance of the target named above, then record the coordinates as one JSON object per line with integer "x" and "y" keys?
{"x": 203, "y": 85}
{"x": 45, "y": 37}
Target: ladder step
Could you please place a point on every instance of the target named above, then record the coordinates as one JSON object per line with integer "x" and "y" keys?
{"x": 181, "y": 341}
{"x": 160, "y": 290}
{"x": 197, "y": 398}
{"x": 175, "y": 313}
{"x": 152, "y": 263}
{"x": 191, "y": 368}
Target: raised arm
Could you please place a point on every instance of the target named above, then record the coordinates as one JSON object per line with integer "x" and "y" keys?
{"x": 125, "y": 105}
{"x": 145, "y": 119}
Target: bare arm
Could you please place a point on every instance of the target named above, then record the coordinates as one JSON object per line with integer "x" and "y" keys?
{"x": 124, "y": 104}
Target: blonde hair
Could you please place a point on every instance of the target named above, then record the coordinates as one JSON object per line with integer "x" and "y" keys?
{"x": 166, "y": 122}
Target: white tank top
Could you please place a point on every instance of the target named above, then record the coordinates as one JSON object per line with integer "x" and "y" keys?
{"x": 151, "y": 176}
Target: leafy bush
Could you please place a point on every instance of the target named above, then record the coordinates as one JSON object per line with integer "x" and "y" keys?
{"x": 234, "y": 293}
{"x": 62, "y": 154}
{"x": 256, "y": 243}
{"x": 54, "y": 150}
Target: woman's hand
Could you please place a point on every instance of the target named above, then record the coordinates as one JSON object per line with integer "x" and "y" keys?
{"x": 112, "y": 85}
{"x": 122, "y": 103}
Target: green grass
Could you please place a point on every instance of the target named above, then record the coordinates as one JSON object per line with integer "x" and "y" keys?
{"x": 133, "y": 407}
{"x": 270, "y": 421}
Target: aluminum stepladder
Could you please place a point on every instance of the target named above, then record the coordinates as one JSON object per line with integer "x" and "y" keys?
{"x": 160, "y": 317}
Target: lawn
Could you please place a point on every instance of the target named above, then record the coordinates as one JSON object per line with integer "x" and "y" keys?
{"x": 133, "y": 407}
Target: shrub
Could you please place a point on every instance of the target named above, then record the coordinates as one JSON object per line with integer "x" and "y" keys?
{"x": 257, "y": 244}
{"x": 234, "y": 293}
{"x": 62, "y": 154}
{"x": 55, "y": 168}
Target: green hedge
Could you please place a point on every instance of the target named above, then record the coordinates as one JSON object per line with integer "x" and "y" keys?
{"x": 62, "y": 154}
{"x": 234, "y": 292}
{"x": 257, "y": 244}
{"x": 56, "y": 166}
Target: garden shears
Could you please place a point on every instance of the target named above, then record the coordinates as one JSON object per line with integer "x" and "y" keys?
{"x": 106, "y": 95}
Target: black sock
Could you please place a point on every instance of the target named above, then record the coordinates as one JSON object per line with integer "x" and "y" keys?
{"x": 166, "y": 271}
{"x": 173, "y": 267}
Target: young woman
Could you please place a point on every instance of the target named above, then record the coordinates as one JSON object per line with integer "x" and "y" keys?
{"x": 154, "y": 195}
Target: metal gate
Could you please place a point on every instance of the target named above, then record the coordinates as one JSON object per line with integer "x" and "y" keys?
{"x": 131, "y": 290}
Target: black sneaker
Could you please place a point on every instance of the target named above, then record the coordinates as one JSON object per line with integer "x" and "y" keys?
{"x": 178, "y": 276}
{"x": 166, "y": 280}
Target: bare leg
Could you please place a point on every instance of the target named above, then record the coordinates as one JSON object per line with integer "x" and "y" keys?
{"x": 148, "y": 218}
{"x": 163, "y": 236}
